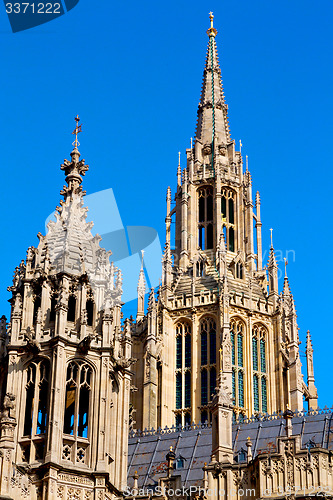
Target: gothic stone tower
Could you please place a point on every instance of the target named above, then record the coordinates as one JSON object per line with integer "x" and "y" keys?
{"x": 68, "y": 363}
{"x": 218, "y": 310}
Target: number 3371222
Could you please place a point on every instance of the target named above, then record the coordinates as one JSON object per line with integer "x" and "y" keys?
{"x": 33, "y": 8}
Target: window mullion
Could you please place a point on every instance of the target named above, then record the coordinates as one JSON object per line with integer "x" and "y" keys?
{"x": 77, "y": 400}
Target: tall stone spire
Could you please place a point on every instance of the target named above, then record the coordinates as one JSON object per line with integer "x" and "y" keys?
{"x": 312, "y": 397}
{"x": 212, "y": 124}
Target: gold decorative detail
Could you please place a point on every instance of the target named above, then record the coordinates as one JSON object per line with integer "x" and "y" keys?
{"x": 76, "y": 131}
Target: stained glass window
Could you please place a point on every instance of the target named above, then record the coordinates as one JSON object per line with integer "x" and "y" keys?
{"x": 178, "y": 391}
{"x": 239, "y": 349}
{"x": 255, "y": 353}
{"x": 240, "y": 389}
{"x": 264, "y": 394}
{"x": 262, "y": 356}
{"x": 179, "y": 342}
{"x": 256, "y": 392}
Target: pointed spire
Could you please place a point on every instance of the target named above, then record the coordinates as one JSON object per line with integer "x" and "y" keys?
{"x": 286, "y": 287}
{"x": 141, "y": 291}
{"x": 313, "y": 395}
{"x": 272, "y": 271}
{"x": 179, "y": 172}
{"x": 212, "y": 124}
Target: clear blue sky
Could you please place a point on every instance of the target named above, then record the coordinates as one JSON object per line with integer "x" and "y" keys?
{"x": 133, "y": 70}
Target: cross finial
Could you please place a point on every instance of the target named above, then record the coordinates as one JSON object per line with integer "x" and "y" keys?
{"x": 271, "y": 230}
{"x": 211, "y": 31}
{"x": 285, "y": 266}
{"x": 211, "y": 17}
{"x": 76, "y": 131}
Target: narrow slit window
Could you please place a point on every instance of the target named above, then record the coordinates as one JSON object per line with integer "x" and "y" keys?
{"x": 187, "y": 389}
{"x": 179, "y": 343}
{"x": 204, "y": 394}
{"x": 212, "y": 382}
{"x": 256, "y": 392}
{"x": 203, "y": 348}
{"x": 179, "y": 391}
{"x": 54, "y": 301}
{"x": 71, "y": 308}
{"x": 231, "y": 239}
{"x": 30, "y": 395}
{"x": 90, "y": 312}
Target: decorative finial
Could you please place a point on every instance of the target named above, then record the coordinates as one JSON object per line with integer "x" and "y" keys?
{"x": 271, "y": 230}
{"x": 247, "y": 163}
{"x": 76, "y": 131}
{"x": 178, "y": 158}
{"x": 285, "y": 267}
{"x": 240, "y": 146}
{"x": 191, "y": 142}
{"x": 211, "y": 31}
{"x": 142, "y": 254}
{"x": 211, "y": 17}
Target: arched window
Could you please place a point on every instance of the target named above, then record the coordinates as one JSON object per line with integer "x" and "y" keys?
{"x": 36, "y": 409}
{"x": 237, "y": 357}
{"x": 259, "y": 335}
{"x": 183, "y": 372}
{"x": 78, "y": 389}
{"x": 228, "y": 217}
{"x": 208, "y": 361}
{"x": 206, "y": 217}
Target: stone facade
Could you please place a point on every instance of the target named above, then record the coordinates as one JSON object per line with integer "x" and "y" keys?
{"x": 66, "y": 385}
{"x": 217, "y": 381}
{"x": 218, "y": 309}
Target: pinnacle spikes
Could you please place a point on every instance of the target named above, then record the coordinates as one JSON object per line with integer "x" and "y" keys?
{"x": 308, "y": 341}
{"x": 212, "y": 119}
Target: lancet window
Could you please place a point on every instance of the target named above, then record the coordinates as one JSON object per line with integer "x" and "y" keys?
{"x": 228, "y": 200}
{"x": 259, "y": 365}
{"x": 237, "y": 354}
{"x": 37, "y": 378}
{"x": 78, "y": 412}
{"x": 183, "y": 373}
{"x": 208, "y": 363}
{"x": 205, "y": 220}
